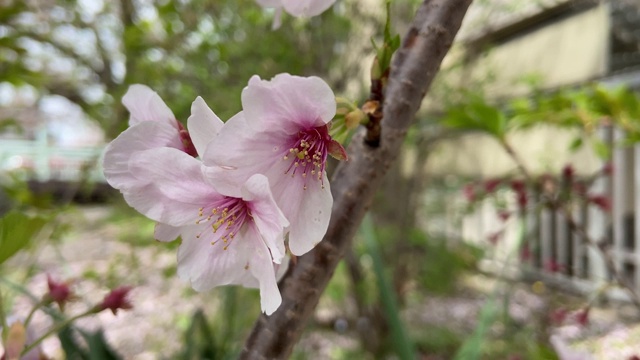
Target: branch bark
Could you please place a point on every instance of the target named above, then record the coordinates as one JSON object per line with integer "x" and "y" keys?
{"x": 355, "y": 182}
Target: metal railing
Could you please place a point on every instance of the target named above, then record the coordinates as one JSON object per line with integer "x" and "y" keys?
{"x": 38, "y": 160}
{"x": 554, "y": 249}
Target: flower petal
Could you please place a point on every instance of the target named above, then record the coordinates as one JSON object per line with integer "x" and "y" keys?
{"x": 144, "y": 136}
{"x": 205, "y": 265}
{"x": 145, "y": 104}
{"x": 164, "y": 232}
{"x": 268, "y": 218}
{"x": 262, "y": 268}
{"x": 288, "y": 103}
{"x": 306, "y": 8}
{"x": 240, "y": 152}
{"x": 308, "y": 211}
{"x": 203, "y": 124}
{"x": 178, "y": 188}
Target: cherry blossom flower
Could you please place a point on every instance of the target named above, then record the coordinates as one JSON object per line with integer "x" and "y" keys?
{"x": 228, "y": 237}
{"x": 283, "y": 133}
{"x": 153, "y": 125}
{"x": 297, "y": 8}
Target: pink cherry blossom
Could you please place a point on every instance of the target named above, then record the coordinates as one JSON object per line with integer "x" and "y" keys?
{"x": 153, "y": 125}
{"x": 283, "y": 134}
{"x": 297, "y": 8}
{"x": 228, "y": 237}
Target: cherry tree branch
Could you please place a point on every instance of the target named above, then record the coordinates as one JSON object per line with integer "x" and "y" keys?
{"x": 355, "y": 182}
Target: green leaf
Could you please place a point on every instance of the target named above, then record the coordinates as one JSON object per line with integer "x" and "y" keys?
{"x": 16, "y": 231}
{"x": 478, "y": 116}
{"x": 601, "y": 149}
{"x": 99, "y": 349}
{"x": 576, "y": 144}
{"x": 403, "y": 345}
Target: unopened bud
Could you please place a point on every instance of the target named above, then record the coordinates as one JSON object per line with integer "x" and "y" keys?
{"x": 353, "y": 119}
{"x": 600, "y": 201}
{"x": 582, "y": 317}
{"x": 558, "y": 316}
{"x": 376, "y": 72}
{"x": 568, "y": 173}
{"x": 116, "y": 299}
{"x": 58, "y": 292}
{"x": 344, "y": 106}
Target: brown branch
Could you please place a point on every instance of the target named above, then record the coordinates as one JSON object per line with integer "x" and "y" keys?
{"x": 355, "y": 182}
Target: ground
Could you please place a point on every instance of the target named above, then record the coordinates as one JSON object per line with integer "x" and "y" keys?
{"x": 106, "y": 247}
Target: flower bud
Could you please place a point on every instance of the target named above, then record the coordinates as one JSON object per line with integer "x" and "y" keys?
{"x": 491, "y": 185}
{"x": 568, "y": 173}
{"x": 558, "y": 316}
{"x": 344, "y": 106}
{"x": 353, "y": 119}
{"x": 601, "y": 201}
{"x": 582, "y": 317}
{"x": 58, "y": 292}
{"x": 116, "y": 299}
{"x": 469, "y": 192}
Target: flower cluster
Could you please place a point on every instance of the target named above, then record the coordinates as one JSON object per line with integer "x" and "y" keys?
{"x": 232, "y": 191}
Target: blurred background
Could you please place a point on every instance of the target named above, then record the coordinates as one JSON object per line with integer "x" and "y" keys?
{"x": 510, "y": 216}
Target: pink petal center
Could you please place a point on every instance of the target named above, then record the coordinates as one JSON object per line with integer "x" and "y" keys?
{"x": 308, "y": 153}
{"x": 225, "y": 217}
{"x": 187, "y": 143}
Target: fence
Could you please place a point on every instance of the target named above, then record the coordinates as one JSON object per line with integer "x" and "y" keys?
{"x": 37, "y": 160}
{"x": 554, "y": 249}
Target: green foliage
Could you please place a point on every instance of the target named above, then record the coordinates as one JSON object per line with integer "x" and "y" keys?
{"x": 96, "y": 347}
{"x": 479, "y": 116}
{"x": 400, "y": 340}
{"x": 199, "y": 340}
{"x": 472, "y": 348}
{"x": 584, "y": 110}
{"x": 221, "y": 336}
{"x": 439, "y": 341}
{"x": 16, "y": 232}
{"x": 385, "y": 52}
{"x": 199, "y": 47}
{"x": 443, "y": 263}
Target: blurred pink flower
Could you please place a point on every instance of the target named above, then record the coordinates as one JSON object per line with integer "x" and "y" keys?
{"x": 297, "y": 8}
{"x": 283, "y": 134}
{"x": 229, "y": 236}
